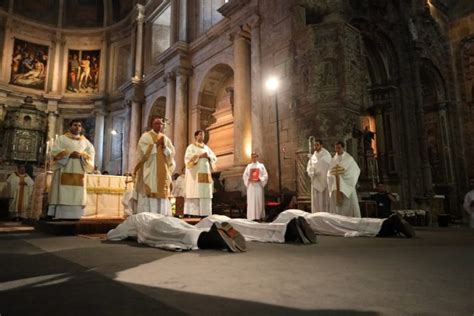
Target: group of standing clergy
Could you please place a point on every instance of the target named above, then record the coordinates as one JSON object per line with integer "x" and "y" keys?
{"x": 333, "y": 181}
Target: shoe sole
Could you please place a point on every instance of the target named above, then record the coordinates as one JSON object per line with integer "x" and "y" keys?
{"x": 307, "y": 231}
{"x": 234, "y": 240}
{"x": 404, "y": 227}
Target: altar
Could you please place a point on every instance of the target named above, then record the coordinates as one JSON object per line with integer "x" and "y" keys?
{"x": 104, "y": 196}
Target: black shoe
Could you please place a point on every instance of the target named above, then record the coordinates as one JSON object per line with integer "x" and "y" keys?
{"x": 231, "y": 236}
{"x": 402, "y": 226}
{"x": 292, "y": 235}
{"x": 307, "y": 231}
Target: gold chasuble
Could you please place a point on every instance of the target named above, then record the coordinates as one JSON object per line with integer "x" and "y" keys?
{"x": 155, "y": 164}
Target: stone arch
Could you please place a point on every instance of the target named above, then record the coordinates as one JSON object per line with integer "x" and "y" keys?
{"x": 214, "y": 112}
{"x": 436, "y": 124}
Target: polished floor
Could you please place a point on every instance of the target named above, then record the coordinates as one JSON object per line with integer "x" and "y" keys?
{"x": 85, "y": 275}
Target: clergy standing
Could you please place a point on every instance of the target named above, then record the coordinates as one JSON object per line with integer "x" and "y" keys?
{"x": 155, "y": 157}
{"x": 200, "y": 161}
{"x": 20, "y": 187}
{"x": 255, "y": 179}
{"x": 342, "y": 175}
{"x": 73, "y": 157}
{"x": 317, "y": 169}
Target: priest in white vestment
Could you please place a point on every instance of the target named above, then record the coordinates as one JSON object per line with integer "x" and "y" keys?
{"x": 255, "y": 179}
{"x": 20, "y": 187}
{"x": 200, "y": 160}
{"x": 317, "y": 170}
{"x": 468, "y": 204}
{"x": 342, "y": 175}
{"x": 155, "y": 164}
{"x": 73, "y": 157}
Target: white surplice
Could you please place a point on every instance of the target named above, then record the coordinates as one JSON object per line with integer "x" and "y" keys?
{"x": 317, "y": 170}
{"x": 199, "y": 185}
{"x": 469, "y": 206}
{"x": 20, "y": 187}
{"x": 159, "y": 231}
{"x": 68, "y": 195}
{"x": 322, "y": 223}
{"x": 153, "y": 174}
{"x": 171, "y": 233}
{"x": 347, "y": 183}
{"x": 255, "y": 190}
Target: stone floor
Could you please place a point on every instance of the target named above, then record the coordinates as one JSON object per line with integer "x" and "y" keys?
{"x": 86, "y": 275}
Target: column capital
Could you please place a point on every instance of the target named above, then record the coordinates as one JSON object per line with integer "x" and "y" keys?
{"x": 239, "y": 33}
{"x": 182, "y": 72}
{"x": 140, "y": 13}
{"x": 169, "y": 77}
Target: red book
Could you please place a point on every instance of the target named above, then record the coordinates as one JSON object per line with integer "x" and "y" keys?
{"x": 255, "y": 175}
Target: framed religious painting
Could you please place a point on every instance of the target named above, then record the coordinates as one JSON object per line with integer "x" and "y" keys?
{"x": 29, "y": 64}
{"x": 83, "y": 71}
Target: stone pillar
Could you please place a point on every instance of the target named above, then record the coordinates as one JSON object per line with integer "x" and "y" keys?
{"x": 242, "y": 99}
{"x": 103, "y": 57}
{"x": 57, "y": 75}
{"x": 420, "y": 128}
{"x": 181, "y": 116}
{"x": 303, "y": 183}
{"x": 138, "y": 97}
{"x": 183, "y": 21}
{"x": 99, "y": 139}
{"x": 139, "y": 42}
{"x": 52, "y": 118}
{"x": 256, "y": 82}
{"x": 170, "y": 101}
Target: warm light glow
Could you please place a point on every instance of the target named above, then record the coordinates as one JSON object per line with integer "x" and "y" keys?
{"x": 272, "y": 84}
{"x": 248, "y": 149}
{"x": 114, "y": 132}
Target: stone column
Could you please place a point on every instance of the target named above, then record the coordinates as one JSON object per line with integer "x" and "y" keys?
{"x": 57, "y": 75}
{"x": 52, "y": 118}
{"x": 242, "y": 99}
{"x": 170, "y": 101}
{"x": 183, "y": 21}
{"x": 256, "y": 82}
{"x": 181, "y": 116}
{"x": 139, "y": 42}
{"x": 138, "y": 97}
{"x": 99, "y": 139}
{"x": 420, "y": 128}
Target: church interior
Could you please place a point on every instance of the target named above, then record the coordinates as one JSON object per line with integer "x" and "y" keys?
{"x": 393, "y": 80}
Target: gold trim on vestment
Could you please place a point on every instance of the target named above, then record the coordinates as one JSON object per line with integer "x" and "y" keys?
{"x": 105, "y": 190}
{"x": 74, "y": 179}
{"x": 192, "y": 162}
{"x": 204, "y": 178}
{"x": 70, "y": 135}
{"x": 61, "y": 155}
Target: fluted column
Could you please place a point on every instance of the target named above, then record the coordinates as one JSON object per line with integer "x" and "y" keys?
{"x": 58, "y": 47}
{"x": 181, "y": 117}
{"x": 242, "y": 98}
{"x": 99, "y": 138}
{"x": 170, "y": 101}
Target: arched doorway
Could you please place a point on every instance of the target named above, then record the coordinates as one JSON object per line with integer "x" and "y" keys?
{"x": 216, "y": 103}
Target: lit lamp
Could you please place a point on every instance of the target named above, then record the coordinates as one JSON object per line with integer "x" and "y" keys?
{"x": 272, "y": 85}
{"x": 114, "y": 132}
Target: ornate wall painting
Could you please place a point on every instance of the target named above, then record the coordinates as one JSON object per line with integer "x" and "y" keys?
{"x": 29, "y": 64}
{"x": 83, "y": 71}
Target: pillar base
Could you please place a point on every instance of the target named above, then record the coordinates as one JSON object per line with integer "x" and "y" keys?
{"x": 233, "y": 179}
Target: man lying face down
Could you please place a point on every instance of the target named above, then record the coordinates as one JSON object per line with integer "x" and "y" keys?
{"x": 224, "y": 233}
